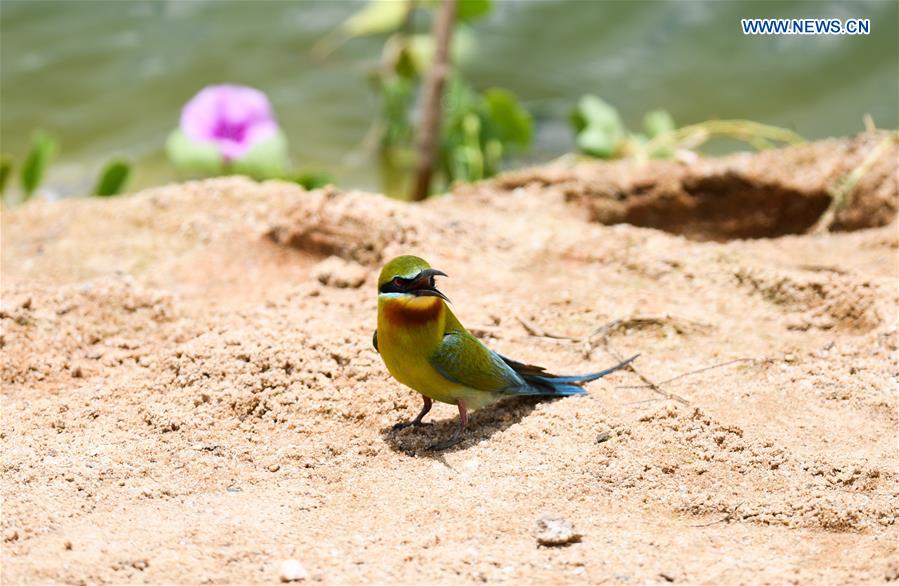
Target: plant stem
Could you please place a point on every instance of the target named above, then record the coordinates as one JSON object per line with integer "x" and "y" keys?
{"x": 840, "y": 190}
{"x": 694, "y": 135}
{"x": 429, "y": 131}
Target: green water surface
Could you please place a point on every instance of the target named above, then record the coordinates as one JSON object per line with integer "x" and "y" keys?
{"x": 109, "y": 77}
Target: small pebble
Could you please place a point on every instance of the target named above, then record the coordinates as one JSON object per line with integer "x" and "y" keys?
{"x": 603, "y": 436}
{"x": 68, "y": 545}
{"x": 293, "y": 571}
{"x": 274, "y": 467}
{"x": 336, "y": 272}
{"x": 671, "y": 409}
{"x": 553, "y": 531}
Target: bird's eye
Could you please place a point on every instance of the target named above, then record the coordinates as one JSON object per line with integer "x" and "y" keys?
{"x": 398, "y": 282}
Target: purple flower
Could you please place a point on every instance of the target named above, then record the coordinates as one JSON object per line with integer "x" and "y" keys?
{"x": 233, "y": 117}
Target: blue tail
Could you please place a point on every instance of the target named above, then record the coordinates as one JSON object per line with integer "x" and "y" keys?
{"x": 540, "y": 382}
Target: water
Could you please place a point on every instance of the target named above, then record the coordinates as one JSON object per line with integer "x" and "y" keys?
{"x": 110, "y": 77}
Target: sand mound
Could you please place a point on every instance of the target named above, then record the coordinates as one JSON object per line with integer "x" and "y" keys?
{"x": 763, "y": 195}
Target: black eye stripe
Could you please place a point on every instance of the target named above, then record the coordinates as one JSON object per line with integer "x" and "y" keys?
{"x": 400, "y": 284}
{"x": 391, "y": 286}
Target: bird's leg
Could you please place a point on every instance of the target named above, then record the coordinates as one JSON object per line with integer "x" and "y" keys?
{"x": 417, "y": 421}
{"x": 457, "y": 437}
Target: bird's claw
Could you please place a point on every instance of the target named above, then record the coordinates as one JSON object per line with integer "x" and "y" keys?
{"x": 405, "y": 424}
{"x": 440, "y": 446}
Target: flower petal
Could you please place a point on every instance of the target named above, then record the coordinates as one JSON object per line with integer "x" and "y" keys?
{"x": 233, "y": 117}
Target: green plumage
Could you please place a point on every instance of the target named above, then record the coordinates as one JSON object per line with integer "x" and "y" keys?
{"x": 463, "y": 359}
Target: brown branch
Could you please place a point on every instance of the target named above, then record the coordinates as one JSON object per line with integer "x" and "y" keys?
{"x": 429, "y": 131}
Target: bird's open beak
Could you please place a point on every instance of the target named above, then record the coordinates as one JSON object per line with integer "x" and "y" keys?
{"x": 424, "y": 286}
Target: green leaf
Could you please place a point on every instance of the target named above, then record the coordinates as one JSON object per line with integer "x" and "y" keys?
{"x": 464, "y": 46}
{"x": 511, "y": 121}
{"x": 658, "y": 122}
{"x": 467, "y": 10}
{"x": 396, "y": 165}
{"x": 593, "y": 110}
{"x": 265, "y": 160}
{"x": 397, "y": 96}
{"x": 6, "y": 164}
{"x": 40, "y": 153}
{"x": 377, "y": 17}
{"x": 399, "y": 54}
{"x": 459, "y": 99}
{"x": 600, "y": 131}
{"x": 312, "y": 179}
{"x": 420, "y": 49}
{"x": 113, "y": 179}
{"x": 193, "y": 155}
{"x": 596, "y": 141}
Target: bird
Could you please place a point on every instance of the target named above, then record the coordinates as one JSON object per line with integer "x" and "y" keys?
{"x": 425, "y": 347}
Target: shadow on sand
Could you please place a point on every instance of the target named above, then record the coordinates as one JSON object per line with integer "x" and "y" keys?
{"x": 482, "y": 424}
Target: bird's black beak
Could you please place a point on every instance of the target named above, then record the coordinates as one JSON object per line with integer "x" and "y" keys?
{"x": 423, "y": 285}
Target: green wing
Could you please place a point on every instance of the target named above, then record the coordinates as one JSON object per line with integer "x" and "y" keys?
{"x": 463, "y": 359}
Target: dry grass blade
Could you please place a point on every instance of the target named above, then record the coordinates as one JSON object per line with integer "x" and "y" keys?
{"x": 691, "y": 373}
{"x": 842, "y": 188}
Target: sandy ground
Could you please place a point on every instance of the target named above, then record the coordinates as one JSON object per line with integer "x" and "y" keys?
{"x": 190, "y": 394}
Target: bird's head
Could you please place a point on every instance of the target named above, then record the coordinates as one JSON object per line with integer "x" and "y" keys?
{"x": 409, "y": 277}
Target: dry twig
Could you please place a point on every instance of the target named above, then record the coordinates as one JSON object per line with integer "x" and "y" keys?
{"x": 692, "y": 372}
{"x": 601, "y": 336}
{"x": 654, "y": 387}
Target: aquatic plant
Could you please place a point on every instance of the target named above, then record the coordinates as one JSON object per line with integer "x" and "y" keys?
{"x": 232, "y": 128}
{"x": 234, "y": 118}
{"x": 600, "y": 132}
{"x": 40, "y": 154}
{"x": 113, "y": 178}
{"x": 229, "y": 128}
{"x": 41, "y": 151}
{"x": 477, "y": 129}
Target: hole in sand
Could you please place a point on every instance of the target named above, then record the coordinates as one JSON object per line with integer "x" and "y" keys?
{"x": 721, "y": 207}
{"x": 758, "y": 195}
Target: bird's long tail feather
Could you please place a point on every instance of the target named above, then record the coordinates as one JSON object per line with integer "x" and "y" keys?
{"x": 544, "y": 383}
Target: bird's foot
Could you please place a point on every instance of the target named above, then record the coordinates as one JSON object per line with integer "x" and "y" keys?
{"x": 457, "y": 437}
{"x": 440, "y": 446}
{"x": 417, "y": 422}
{"x": 413, "y": 423}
